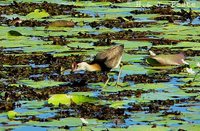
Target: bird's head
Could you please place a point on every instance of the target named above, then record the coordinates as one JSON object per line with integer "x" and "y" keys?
{"x": 79, "y": 66}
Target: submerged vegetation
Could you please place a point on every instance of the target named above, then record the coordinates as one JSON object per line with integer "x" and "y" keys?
{"x": 40, "y": 41}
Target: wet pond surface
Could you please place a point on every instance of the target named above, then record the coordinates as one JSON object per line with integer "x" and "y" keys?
{"x": 39, "y": 43}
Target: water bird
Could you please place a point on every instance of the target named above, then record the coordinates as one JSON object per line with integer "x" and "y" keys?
{"x": 103, "y": 61}
{"x": 166, "y": 60}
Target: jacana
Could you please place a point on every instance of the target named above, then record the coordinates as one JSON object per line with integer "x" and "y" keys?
{"x": 103, "y": 61}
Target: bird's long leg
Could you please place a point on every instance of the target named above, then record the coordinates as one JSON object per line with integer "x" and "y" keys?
{"x": 107, "y": 80}
{"x": 118, "y": 77}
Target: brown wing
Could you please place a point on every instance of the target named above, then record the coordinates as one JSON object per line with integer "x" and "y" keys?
{"x": 111, "y": 57}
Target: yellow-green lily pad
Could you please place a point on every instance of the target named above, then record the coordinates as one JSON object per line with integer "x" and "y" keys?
{"x": 11, "y": 114}
{"x": 65, "y": 99}
{"x": 37, "y": 14}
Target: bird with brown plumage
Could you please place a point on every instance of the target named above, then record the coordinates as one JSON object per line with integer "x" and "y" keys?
{"x": 103, "y": 61}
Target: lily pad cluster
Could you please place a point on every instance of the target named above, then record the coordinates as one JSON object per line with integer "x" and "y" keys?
{"x": 169, "y": 13}
{"x": 51, "y": 8}
{"x": 156, "y": 91}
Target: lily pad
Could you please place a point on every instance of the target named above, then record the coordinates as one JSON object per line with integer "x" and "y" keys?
{"x": 11, "y": 114}
{"x": 14, "y": 33}
{"x": 40, "y": 84}
{"x": 32, "y": 39}
{"x": 37, "y": 14}
{"x": 68, "y": 99}
{"x": 60, "y": 99}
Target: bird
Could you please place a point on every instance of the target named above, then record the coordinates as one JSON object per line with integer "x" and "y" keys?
{"x": 166, "y": 60}
{"x": 104, "y": 61}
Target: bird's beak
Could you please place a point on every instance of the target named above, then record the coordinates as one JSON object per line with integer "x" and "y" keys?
{"x": 74, "y": 66}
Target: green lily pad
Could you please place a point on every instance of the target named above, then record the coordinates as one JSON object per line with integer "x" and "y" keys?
{"x": 70, "y": 121}
{"x": 60, "y": 99}
{"x": 28, "y": 40}
{"x": 37, "y": 14}
{"x": 68, "y": 99}
{"x": 192, "y": 127}
{"x": 40, "y": 84}
{"x": 14, "y": 33}
{"x": 198, "y": 97}
{"x": 131, "y": 128}
{"x": 11, "y": 114}
{"x": 119, "y": 104}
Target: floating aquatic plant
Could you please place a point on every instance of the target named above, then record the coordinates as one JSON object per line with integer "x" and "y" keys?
{"x": 12, "y": 114}
{"x": 14, "y": 33}
{"x": 37, "y": 14}
{"x": 151, "y": 98}
{"x": 69, "y": 99}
